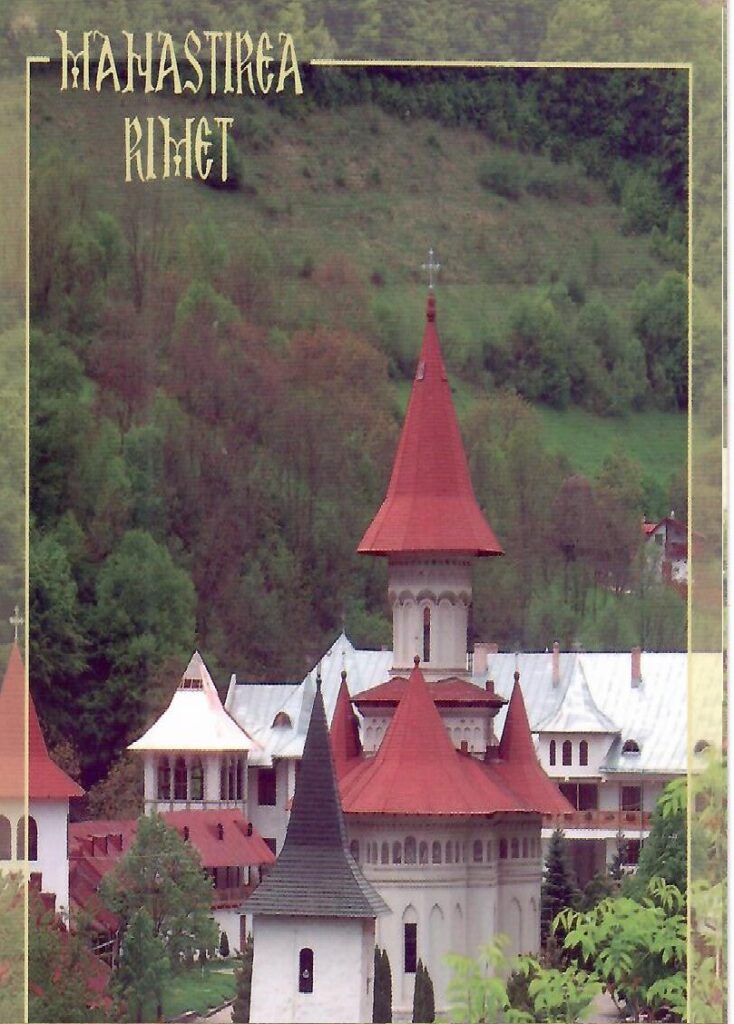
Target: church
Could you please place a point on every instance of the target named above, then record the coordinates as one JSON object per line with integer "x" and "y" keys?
{"x": 452, "y": 768}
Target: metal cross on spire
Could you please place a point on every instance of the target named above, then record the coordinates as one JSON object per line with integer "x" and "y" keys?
{"x": 16, "y": 620}
{"x": 431, "y": 267}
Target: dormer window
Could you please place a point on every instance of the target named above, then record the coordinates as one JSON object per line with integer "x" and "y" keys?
{"x": 567, "y": 752}
{"x": 583, "y": 753}
{"x": 191, "y": 684}
{"x": 631, "y": 747}
{"x": 282, "y": 719}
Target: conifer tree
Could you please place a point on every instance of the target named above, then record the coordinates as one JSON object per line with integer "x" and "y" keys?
{"x": 382, "y": 1001}
{"x": 559, "y": 889}
{"x": 243, "y": 980}
{"x": 424, "y": 1009}
{"x": 223, "y": 945}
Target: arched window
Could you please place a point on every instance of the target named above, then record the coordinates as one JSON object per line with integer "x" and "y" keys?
{"x": 583, "y": 752}
{"x": 196, "y": 780}
{"x": 410, "y": 850}
{"x": 423, "y": 853}
{"x": 373, "y": 852}
{"x": 631, "y": 747}
{"x": 490, "y": 851}
{"x": 223, "y": 781}
{"x": 180, "y": 781}
{"x": 6, "y": 846}
{"x": 354, "y": 849}
{"x": 426, "y": 634}
{"x": 524, "y": 847}
{"x": 164, "y": 778}
{"x": 477, "y": 851}
{"x": 397, "y": 853}
{"x": 449, "y": 853}
{"x": 231, "y": 780}
{"x": 32, "y": 839}
{"x": 552, "y": 752}
{"x": 240, "y": 779}
{"x": 305, "y": 970}
{"x": 436, "y": 852}
{"x": 515, "y": 847}
{"x": 384, "y": 854}
{"x": 503, "y": 849}
{"x": 457, "y": 853}
{"x": 567, "y": 752}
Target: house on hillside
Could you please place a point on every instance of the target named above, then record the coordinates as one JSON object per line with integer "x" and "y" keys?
{"x": 666, "y": 544}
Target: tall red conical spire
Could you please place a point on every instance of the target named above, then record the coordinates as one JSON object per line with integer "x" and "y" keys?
{"x": 518, "y": 765}
{"x": 430, "y": 504}
{"x": 344, "y": 732}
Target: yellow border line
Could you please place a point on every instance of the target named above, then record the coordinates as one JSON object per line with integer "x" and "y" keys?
{"x": 606, "y": 65}
{"x": 26, "y": 625}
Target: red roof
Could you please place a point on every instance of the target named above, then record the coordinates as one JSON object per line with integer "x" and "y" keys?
{"x": 518, "y": 764}
{"x": 451, "y": 692}
{"x": 430, "y": 503}
{"x": 344, "y": 732}
{"x": 417, "y": 770}
{"x": 46, "y": 781}
{"x": 99, "y": 839}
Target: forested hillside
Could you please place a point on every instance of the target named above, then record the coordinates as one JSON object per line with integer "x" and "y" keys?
{"x": 218, "y": 375}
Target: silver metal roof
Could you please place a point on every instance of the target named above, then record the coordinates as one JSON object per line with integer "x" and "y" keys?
{"x": 594, "y": 695}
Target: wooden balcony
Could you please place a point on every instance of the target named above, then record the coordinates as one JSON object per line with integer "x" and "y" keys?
{"x": 615, "y": 821}
{"x": 231, "y": 897}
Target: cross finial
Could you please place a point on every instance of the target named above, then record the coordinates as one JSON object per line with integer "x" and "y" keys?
{"x": 431, "y": 267}
{"x": 16, "y": 620}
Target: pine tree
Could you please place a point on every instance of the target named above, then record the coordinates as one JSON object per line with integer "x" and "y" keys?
{"x": 224, "y": 945}
{"x": 382, "y": 1002}
{"x": 559, "y": 889}
{"x": 243, "y": 980}
{"x": 424, "y": 1008}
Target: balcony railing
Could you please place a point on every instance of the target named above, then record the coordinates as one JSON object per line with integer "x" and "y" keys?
{"x": 615, "y": 820}
{"x": 231, "y": 897}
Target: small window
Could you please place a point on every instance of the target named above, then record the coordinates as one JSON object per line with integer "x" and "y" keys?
{"x": 631, "y": 747}
{"x": 6, "y": 848}
{"x": 436, "y": 853}
{"x": 583, "y": 752}
{"x": 180, "y": 780}
{"x": 410, "y": 850}
{"x": 266, "y": 787}
{"x": 397, "y": 853}
{"x": 490, "y": 850}
{"x": 410, "y": 938}
{"x": 164, "y": 779}
{"x": 240, "y": 778}
{"x": 423, "y": 853}
{"x": 567, "y": 754}
{"x": 373, "y": 852}
{"x": 552, "y": 752}
{"x": 384, "y": 854}
{"x": 305, "y": 970}
{"x": 426, "y": 635}
{"x": 282, "y": 719}
{"x": 197, "y": 780}
{"x": 631, "y": 798}
{"x": 477, "y": 851}
{"x": 354, "y": 849}
{"x": 449, "y": 853}
{"x": 524, "y": 848}
{"x": 32, "y": 839}
{"x": 503, "y": 849}
{"x": 515, "y": 847}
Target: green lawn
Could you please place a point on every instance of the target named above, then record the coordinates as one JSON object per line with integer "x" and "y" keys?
{"x": 200, "y": 990}
{"x": 658, "y": 440}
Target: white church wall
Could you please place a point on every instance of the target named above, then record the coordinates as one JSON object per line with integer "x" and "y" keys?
{"x": 343, "y": 951}
{"x": 270, "y": 820}
{"x": 53, "y": 859}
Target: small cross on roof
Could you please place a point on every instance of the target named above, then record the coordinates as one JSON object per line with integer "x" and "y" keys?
{"x": 16, "y": 620}
{"x": 431, "y": 267}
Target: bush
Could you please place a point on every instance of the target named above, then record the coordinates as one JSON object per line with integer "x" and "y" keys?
{"x": 243, "y": 981}
{"x": 224, "y": 945}
{"x": 643, "y": 204}
{"x": 503, "y": 173}
{"x": 548, "y": 180}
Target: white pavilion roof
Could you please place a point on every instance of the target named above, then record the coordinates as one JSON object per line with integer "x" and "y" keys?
{"x": 195, "y": 719}
{"x": 576, "y": 710}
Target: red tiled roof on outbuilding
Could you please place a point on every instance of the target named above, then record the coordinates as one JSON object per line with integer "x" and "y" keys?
{"x": 430, "y": 504}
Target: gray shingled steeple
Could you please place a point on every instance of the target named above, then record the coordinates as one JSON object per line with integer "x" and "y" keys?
{"x": 315, "y": 875}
